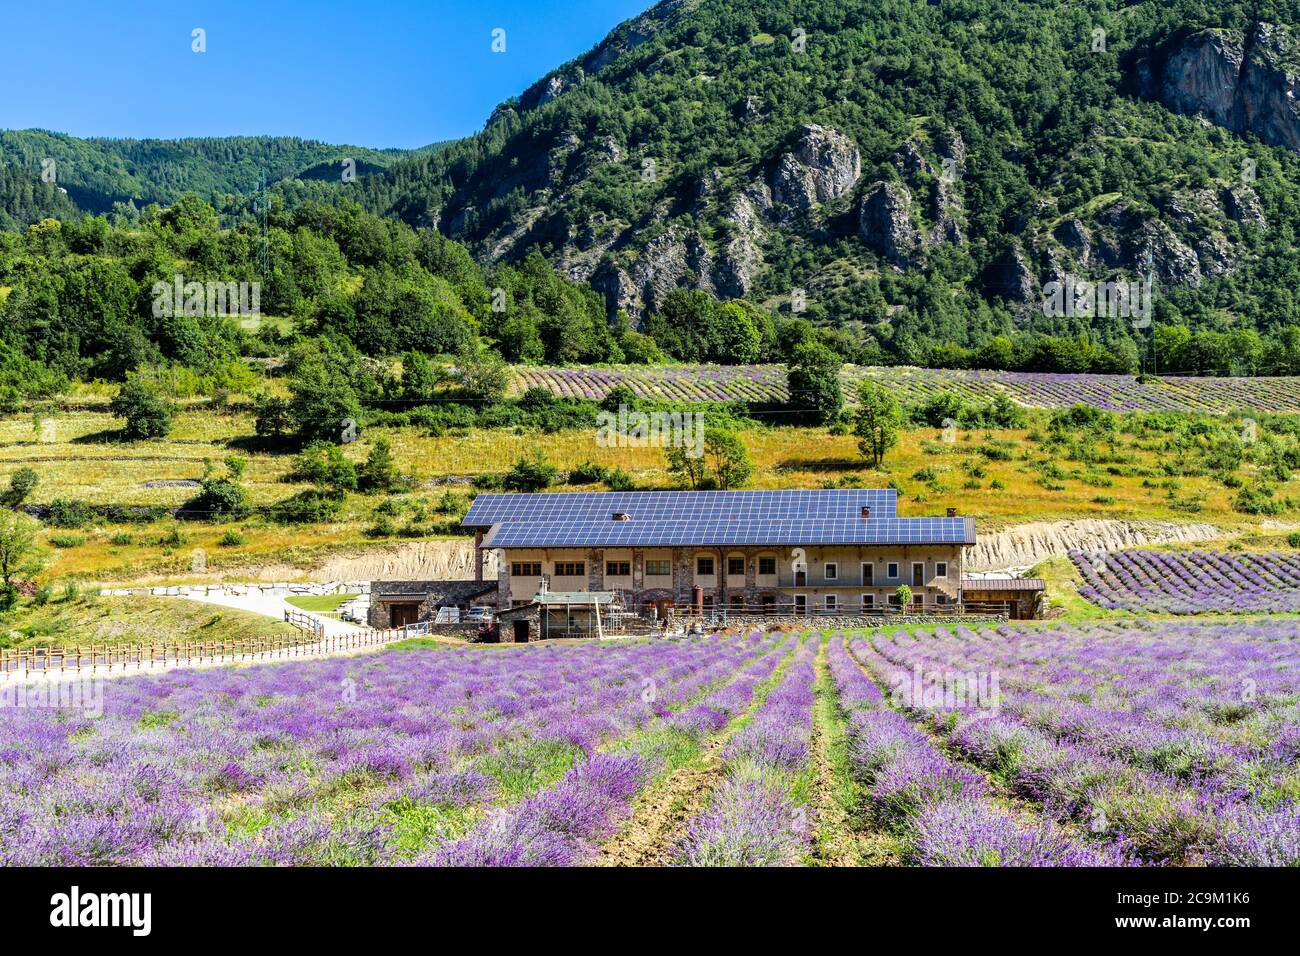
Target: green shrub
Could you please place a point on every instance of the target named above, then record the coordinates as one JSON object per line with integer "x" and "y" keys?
{"x": 232, "y": 539}
{"x": 122, "y": 539}
{"x": 67, "y": 540}
{"x": 307, "y": 507}
{"x": 69, "y": 513}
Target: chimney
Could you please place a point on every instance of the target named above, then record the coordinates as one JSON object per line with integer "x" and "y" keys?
{"x": 866, "y": 511}
{"x": 952, "y": 512}
{"x": 621, "y": 516}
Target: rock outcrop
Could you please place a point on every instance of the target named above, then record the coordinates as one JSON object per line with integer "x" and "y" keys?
{"x": 1242, "y": 81}
{"x": 824, "y": 165}
{"x": 885, "y": 223}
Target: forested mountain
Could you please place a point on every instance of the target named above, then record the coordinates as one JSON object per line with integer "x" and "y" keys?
{"x": 99, "y": 174}
{"x": 919, "y": 168}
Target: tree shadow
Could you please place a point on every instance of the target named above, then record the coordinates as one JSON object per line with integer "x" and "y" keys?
{"x": 822, "y": 464}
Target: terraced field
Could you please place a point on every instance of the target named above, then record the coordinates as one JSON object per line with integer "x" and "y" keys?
{"x": 766, "y": 384}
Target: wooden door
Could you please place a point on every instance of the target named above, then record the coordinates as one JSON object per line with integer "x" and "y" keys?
{"x": 403, "y": 614}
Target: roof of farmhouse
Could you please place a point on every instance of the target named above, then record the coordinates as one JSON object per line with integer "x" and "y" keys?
{"x": 668, "y": 518}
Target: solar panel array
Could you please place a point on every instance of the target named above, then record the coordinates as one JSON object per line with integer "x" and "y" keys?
{"x": 694, "y": 507}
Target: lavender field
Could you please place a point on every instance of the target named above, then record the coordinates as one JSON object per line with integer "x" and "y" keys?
{"x": 1192, "y": 582}
{"x": 1164, "y": 743}
{"x": 766, "y": 384}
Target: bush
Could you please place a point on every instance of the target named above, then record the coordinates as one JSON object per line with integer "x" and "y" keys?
{"x": 324, "y": 465}
{"x": 67, "y": 540}
{"x": 382, "y": 528}
{"x": 147, "y": 415}
{"x": 307, "y": 507}
{"x": 42, "y": 595}
{"x": 121, "y": 539}
{"x": 587, "y": 473}
{"x": 619, "y": 480}
{"x": 232, "y": 539}
{"x": 530, "y": 474}
{"x": 69, "y": 513}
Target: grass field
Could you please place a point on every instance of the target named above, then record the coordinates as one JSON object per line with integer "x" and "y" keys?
{"x": 93, "y": 619}
{"x": 319, "y": 602}
{"x": 1000, "y": 477}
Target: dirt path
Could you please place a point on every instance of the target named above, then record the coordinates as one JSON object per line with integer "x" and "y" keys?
{"x": 661, "y": 813}
{"x": 844, "y": 835}
{"x": 834, "y": 844}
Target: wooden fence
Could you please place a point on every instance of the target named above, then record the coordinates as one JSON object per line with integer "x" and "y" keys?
{"x": 122, "y": 657}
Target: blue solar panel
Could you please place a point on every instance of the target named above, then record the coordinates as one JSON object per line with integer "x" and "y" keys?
{"x": 606, "y": 533}
{"x": 684, "y": 506}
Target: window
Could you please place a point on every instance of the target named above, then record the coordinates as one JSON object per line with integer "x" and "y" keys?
{"x": 832, "y": 570}
{"x": 941, "y": 569}
{"x": 894, "y": 601}
{"x": 767, "y": 565}
{"x": 831, "y": 602}
{"x": 618, "y": 569}
{"x": 526, "y": 569}
{"x": 868, "y": 573}
{"x": 941, "y": 599}
{"x": 918, "y": 600}
{"x": 658, "y": 567}
{"x": 868, "y": 600}
{"x": 892, "y": 572}
{"x": 736, "y": 566}
{"x": 801, "y": 603}
{"x": 570, "y": 569}
{"x": 769, "y": 602}
{"x": 738, "y": 602}
{"x": 518, "y": 603}
{"x": 704, "y": 566}
{"x": 708, "y": 601}
{"x": 918, "y": 574}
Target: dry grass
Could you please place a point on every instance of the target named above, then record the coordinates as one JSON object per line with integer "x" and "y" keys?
{"x": 81, "y": 460}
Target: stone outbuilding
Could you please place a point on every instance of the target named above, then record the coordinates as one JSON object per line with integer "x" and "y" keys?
{"x": 399, "y": 603}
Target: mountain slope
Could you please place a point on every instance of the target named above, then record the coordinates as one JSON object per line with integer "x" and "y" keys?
{"x": 96, "y": 173}
{"x": 918, "y": 169}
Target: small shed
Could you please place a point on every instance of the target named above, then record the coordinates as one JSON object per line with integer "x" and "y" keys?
{"x": 1022, "y": 597}
{"x": 552, "y": 614}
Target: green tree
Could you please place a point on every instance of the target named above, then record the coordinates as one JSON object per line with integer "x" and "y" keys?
{"x": 903, "y": 596}
{"x": 482, "y": 375}
{"x": 21, "y": 484}
{"x": 877, "y": 423}
{"x": 147, "y": 415}
{"x": 814, "y": 383}
{"x": 728, "y": 459}
{"x": 19, "y": 554}
{"x": 377, "y": 473}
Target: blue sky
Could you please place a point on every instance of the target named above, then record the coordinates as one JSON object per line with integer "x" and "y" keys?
{"x": 384, "y": 73}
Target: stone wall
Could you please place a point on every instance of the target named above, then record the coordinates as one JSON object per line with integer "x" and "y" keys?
{"x": 823, "y": 622}
{"x": 271, "y": 590}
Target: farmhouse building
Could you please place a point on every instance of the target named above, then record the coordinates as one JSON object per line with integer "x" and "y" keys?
{"x": 827, "y": 551}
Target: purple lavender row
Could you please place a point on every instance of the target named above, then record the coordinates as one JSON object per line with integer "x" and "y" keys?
{"x": 1190, "y": 583}
{"x": 755, "y": 817}
{"x": 1161, "y": 790}
{"x": 942, "y": 811}
{"x": 1217, "y": 713}
{"x": 144, "y": 781}
{"x": 564, "y": 825}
